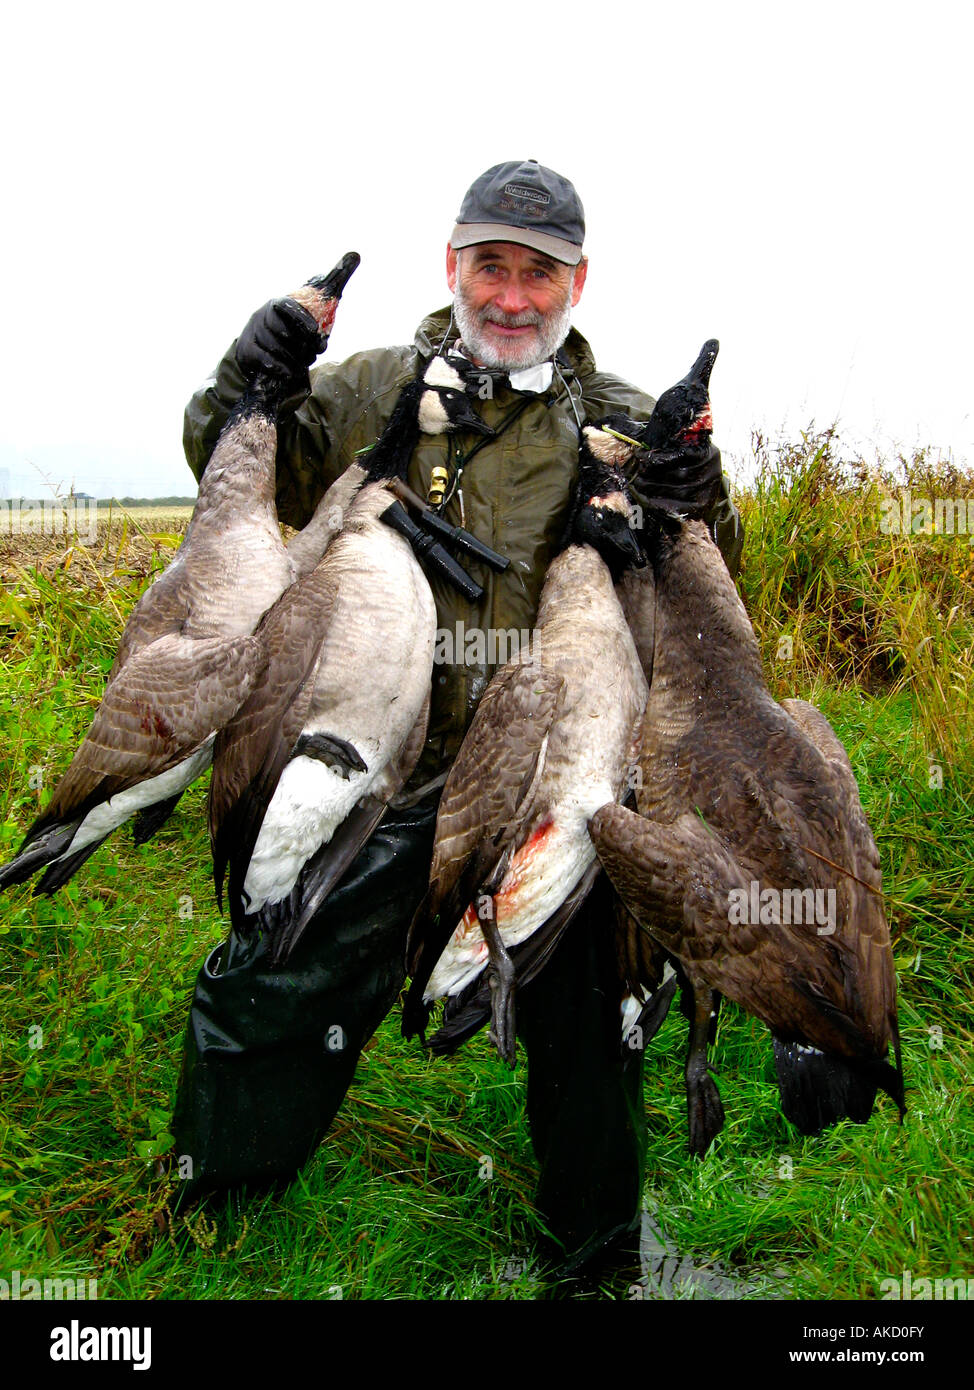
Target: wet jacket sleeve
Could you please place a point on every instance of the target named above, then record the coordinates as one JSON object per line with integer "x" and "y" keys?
{"x": 210, "y": 407}
{"x": 319, "y": 432}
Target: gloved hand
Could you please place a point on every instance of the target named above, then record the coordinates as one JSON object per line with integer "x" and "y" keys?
{"x": 686, "y": 479}
{"x": 281, "y": 339}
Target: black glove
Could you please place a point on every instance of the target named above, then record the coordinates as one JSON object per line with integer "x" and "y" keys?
{"x": 687, "y": 480}
{"x": 281, "y": 339}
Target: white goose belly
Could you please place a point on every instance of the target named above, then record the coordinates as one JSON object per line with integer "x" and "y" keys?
{"x": 372, "y": 680}
{"x": 107, "y": 816}
{"x": 542, "y": 874}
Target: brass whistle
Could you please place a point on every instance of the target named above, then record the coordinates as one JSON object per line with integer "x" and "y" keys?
{"x": 439, "y": 480}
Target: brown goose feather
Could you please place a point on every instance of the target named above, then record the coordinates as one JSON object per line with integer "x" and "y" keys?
{"x": 738, "y": 790}
{"x": 186, "y": 659}
{"x": 480, "y": 817}
{"x": 308, "y": 641}
{"x": 546, "y": 726}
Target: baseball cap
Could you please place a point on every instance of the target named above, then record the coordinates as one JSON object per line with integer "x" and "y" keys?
{"x": 523, "y": 202}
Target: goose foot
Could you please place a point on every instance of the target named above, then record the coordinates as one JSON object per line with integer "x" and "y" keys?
{"x": 337, "y": 753}
{"x": 705, "y": 1113}
{"x": 502, "y": 977}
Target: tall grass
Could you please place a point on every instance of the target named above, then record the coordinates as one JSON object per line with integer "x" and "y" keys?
{"x": 877, "y": 629}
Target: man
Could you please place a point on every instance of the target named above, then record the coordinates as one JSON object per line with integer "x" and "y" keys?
{"x": 263, "y": 1075}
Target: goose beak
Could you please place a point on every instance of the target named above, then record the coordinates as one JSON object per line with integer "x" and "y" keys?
{"x": 332, "y": 284}
{"x": 629, "y": 550}
{"x": 622, "y": 427}
{"x": 464, "y": 416}
{"x": 699, "y": 373}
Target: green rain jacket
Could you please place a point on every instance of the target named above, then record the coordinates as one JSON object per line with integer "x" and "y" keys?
{"x": 514, "y": 493}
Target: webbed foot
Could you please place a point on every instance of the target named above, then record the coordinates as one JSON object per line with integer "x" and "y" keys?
{"x": 502, "y": 978}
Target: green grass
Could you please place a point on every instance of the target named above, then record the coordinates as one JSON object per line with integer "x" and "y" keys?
{"x": 95, "y": 984}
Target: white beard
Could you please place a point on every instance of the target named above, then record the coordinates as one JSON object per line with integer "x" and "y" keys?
{"x": 552, "y": 332}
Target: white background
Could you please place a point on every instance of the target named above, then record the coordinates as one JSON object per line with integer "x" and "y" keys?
{"x": 795, "y": 181}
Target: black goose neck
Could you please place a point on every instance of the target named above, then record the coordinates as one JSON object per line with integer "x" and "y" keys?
{"x": 389, "y": 457}
{"x": 264, "y": 394}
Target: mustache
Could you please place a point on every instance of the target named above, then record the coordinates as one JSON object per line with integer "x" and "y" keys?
{"x": 525, "y": 319}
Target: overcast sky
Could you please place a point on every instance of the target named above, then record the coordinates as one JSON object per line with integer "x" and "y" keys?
{"x": 795, "y": 181}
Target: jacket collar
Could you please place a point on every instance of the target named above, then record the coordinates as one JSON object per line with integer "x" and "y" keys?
{"x": 574, "y": 355}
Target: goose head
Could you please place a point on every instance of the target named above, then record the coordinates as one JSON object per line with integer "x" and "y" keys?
{"x": 444, "y": 405}
{"x": 312, "y": 307}
{"x": 602, "y": 516}
{"x": 434, "y": 403}
{"x": 655, "y": 468}
{"x": 320, "y": 295}
{"x": 682, "y": 416}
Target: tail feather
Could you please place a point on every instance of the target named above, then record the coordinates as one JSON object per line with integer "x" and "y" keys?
{"x": 323, "y": 871}
{"x": 818, "y": 1089}
{"x": 462, "y": 1024}
{"x": 36, "y": 852}
{"x": 62, "y": 870}
{"x": 650, "y": 1017}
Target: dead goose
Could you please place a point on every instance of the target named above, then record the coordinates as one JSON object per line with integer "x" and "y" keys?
{"x": 551, "y": 738}
{"x": 749, "y": 821}
{"x": 186, "y": 658}
{"x": 337, "y": 719}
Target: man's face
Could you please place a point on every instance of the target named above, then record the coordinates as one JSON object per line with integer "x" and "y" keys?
{"x": 512, "y": 304}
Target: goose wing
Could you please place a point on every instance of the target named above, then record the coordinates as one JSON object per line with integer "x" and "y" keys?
{"x": 843, "y": 790}
{"x": 169, "y": 698}
{"x": 799, "y": 825}
{"x": 677, "y": 879}
{"x": 487, "y": 800}
{"x": 254, "y": 748}
{"x": 160, "y": 612}
{"x": 852, "y": 862}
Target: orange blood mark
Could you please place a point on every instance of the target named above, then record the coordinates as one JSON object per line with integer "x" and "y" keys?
{"x": 515, "y": 875}
{"x": 326, "y": 316}
{"x": 704, "y": 422}
{"x": 521, "y": 868}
